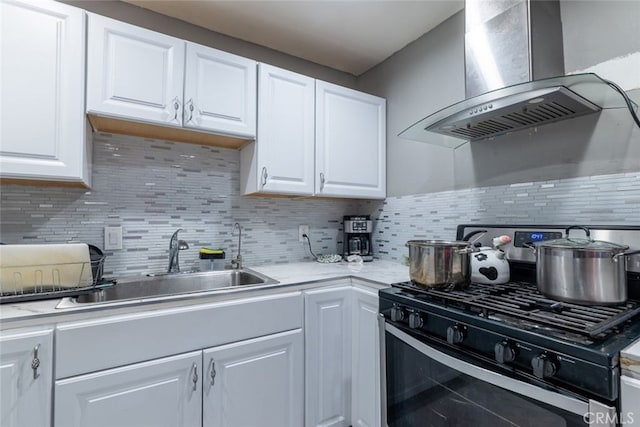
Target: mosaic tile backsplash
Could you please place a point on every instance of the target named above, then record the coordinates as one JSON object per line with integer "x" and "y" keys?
{"x": 151, "y": 188}
{"x": 595, "y": 200}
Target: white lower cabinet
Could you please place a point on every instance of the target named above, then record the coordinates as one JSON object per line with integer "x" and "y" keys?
{"x": 328, "y": 356}
{"x": 258, "y": 382}
{"x": 164, "y": 392}
{"x": 342, "y": 357}
{"x": 365, "y": 367}
{"x": 26, "y": 376}
{"x": 629, "y": 400}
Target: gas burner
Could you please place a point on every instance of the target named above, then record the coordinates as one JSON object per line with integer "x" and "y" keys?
{"x": 523, "y": 301}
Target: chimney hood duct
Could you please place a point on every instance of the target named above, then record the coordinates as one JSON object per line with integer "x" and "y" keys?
{"x": 514, "y": 66}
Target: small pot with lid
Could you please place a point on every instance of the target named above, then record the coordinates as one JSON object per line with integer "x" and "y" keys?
{"x": 582, "y": 270}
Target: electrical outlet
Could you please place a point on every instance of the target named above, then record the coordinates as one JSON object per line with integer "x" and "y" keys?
{"x": 303, "y": 229}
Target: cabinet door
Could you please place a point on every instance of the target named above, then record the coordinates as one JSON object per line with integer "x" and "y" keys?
{"x": 629, "y": 400}
{"x": 134, "y": 73}
{"x": 219, "y": 92}
{"x": 25, "y": 392}
{"x": 350, "y": 143}
{"x": 164, "y": 392}
{"x": 285, "y": 142}
{"x": 365, "y": 366}
{"x": 257, "y": 382}
{"x": 42, "y": 124}
{"x": 328, "y": 357}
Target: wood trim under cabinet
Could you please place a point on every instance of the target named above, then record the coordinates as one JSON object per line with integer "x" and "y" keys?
{"x": 43, "y": 183}
{"x": 146, "y": 130}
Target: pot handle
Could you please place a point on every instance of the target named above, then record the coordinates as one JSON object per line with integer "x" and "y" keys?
{"x": 620, "y": 254}
{"x": 577, "y": 227}
{"x": 530, "y": 245}
{"x": 467, "y": 250}
{"x": 473, "y": 233}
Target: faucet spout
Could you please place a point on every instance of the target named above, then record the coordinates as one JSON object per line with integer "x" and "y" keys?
{"x": 236, "y": 263}
{"x": 175, "y": 246}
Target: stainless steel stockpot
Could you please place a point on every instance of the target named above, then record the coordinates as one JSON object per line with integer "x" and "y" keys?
{"x": 582, "y": 271}
{"x": 439, "y": 263}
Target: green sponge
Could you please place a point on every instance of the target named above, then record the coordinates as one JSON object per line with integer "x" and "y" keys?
{"x": 208, "y": 253}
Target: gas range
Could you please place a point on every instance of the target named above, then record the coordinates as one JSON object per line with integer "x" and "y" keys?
{"x": 514, "y": 330}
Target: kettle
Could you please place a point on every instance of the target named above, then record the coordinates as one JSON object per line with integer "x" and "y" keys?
{"x": 489, "y": 265}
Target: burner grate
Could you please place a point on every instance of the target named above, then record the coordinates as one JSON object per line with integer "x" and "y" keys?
{"x": 524, "y": 301}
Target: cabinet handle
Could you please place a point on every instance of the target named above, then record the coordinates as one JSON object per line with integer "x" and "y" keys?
{"x": 195, "y": 375}
{"x": 35, "y": 362}
{"x": 190, "y": 107}
{"x": 176, "y": 108}
{"x": 212, "y": 367}
{"x": 264, "y": 176}
{"x": 321, "y": 181}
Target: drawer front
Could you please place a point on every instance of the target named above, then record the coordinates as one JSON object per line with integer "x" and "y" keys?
{"x": 89, "y": 346}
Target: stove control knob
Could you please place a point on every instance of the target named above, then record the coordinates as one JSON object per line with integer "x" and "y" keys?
{"x": 505, "y": 352}
{"x": 415, "y": 321}
{"x": 397, "y": 314}
{"x": 544, "y": 366}
{"x": 455, "y": 334}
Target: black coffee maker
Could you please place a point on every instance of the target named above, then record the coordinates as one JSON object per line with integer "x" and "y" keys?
{"x": 357, "y": 236}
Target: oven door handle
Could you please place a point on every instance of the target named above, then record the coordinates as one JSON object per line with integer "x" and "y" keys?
{"x": 591, "y": 409}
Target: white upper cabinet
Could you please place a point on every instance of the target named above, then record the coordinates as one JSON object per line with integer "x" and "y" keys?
{"x": 42, "y": 79}
{"x": 350, "y": 143}
{"x": 134, "y": 73}
{"x": 26, "y": 376}
{"x": 219, "y": 91}
{"x": 143, "y": 76}
{"x": 281, "y": 160}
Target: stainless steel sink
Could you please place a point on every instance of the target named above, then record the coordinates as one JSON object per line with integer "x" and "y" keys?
{"x": 174, "y": 284}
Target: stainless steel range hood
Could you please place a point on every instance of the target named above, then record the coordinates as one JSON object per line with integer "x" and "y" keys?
{"x": 513, "y": 50}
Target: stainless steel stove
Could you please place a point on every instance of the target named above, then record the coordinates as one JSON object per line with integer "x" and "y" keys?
{"x": 456, "y": 357}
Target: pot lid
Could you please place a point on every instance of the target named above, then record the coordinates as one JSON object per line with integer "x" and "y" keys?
{"x": 585, "y": 244}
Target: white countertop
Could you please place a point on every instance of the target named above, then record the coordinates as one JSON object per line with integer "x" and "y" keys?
{"x": 377, "y": 273}
{"x": 630, "y": 360}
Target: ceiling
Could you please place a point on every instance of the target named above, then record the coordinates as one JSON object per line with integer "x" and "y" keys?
{"x": 350, "y": 36}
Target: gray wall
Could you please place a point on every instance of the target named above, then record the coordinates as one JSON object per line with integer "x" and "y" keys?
{"x": 174, "y": 27}
{"x": 429, "y": 74}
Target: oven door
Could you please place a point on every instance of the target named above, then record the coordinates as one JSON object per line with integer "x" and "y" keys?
{"x": 424, "y": 386}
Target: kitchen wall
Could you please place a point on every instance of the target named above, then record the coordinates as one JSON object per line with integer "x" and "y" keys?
{"x": 151, "y": 188}
{"x": 429, "y": 74}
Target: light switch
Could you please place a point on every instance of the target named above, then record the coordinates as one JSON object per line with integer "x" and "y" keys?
{"x": 113, "y": 238}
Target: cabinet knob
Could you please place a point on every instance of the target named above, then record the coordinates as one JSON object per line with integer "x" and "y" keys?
{"x": 176, "y": 108}
{"x": 195, "y": 376}
{"x": 190, "y": 108}
{"x": 264, "y": 176}
{"x": 321, "y": 181}
{"x": 212, "y": 371}
{"x": 35, "y": 362}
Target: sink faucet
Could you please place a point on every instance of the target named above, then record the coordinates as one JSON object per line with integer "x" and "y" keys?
{"x": 175, "y": 246}
{"x": 236, "y": 263}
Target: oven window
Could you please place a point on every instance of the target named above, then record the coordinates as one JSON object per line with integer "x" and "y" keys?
{"x": 423, "y": 392}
